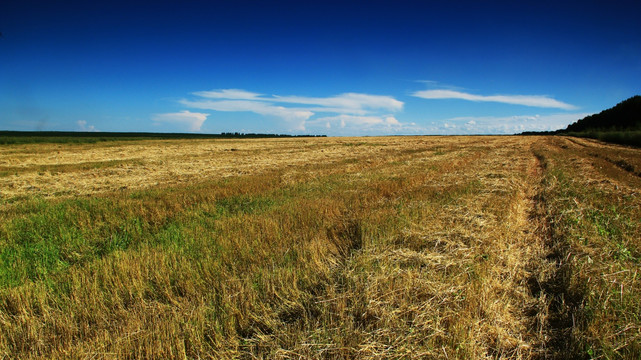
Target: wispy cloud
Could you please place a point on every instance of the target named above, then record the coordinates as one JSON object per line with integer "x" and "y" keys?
{"x": 351, "y": 103}
{"x": 192, "y": 120}
{"x": 503, "y": 125}
{"x": 541, "y": 101}
{"x": 236, "y": 94}
{"x": 295, "y": 117}
{"x": 82, "y": 126}
{"x": 343, "y": 103}
{"x": 343, "y": 121}
{"x": 350, "y": 109}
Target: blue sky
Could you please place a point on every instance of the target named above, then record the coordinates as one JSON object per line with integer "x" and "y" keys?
{"x": 330, "y": 67}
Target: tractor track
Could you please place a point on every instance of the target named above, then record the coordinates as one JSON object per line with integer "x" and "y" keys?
{"x": 553, "y": 317}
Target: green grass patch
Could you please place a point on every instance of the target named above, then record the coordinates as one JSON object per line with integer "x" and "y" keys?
{"x": 600, "y": 231}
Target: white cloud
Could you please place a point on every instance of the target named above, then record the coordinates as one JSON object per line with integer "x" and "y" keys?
{"x": 192, "y": 120}
{"x": 352, "y": 103}
{"x": 527, "y": 100}
{"x": 390, "y": 120}
{"x": 353, "y": 120}
{"x": 345, "y": 103}
{"x": 82, "y": 126}
{"x": 353, "y": 109}
{"x": 226, "y": 105}
{"x": 294, "y": 116}
{"x": 354, "y": 124}
{"x": 503, "y": 125}
{"x": 236, "y": 94}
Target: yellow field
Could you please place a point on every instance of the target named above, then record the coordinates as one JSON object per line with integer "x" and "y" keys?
{"x": 336, "y": 248}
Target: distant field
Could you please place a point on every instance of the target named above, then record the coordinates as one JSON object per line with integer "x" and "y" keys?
{"x": 79, "y": 137}
{"x": 332, "y": 248}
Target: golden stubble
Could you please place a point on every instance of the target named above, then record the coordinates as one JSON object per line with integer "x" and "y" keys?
{"x": 390, "y": 247}
{"x": 64, "y": 170}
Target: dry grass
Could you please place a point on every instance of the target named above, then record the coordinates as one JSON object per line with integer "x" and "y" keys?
{"x": 336, "y": 248}
{"x": 52, "y": 170}
{"x": 594, "y": 213}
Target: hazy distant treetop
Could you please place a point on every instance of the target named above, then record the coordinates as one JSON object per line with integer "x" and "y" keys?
{"x": 625, "y": 115}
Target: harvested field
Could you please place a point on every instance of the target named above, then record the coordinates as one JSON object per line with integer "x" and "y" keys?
{"x": 332, "y": 248}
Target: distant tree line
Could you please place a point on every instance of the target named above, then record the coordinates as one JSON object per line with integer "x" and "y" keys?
{"x": 626, "y": 115}
{"x": 29, "y": 137}
{"x": 620, "y": 124}
{"x": 254, "y": 135}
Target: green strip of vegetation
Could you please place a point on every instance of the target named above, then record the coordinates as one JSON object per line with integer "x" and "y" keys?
{"x": 42, "y": 237}
{"x": 70, "y": 137}
{"x": 597, "y": 231}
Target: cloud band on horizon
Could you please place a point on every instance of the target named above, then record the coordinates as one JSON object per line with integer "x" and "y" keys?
{"x": 541, "y": 101}
{"x": 485, "y": 125}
